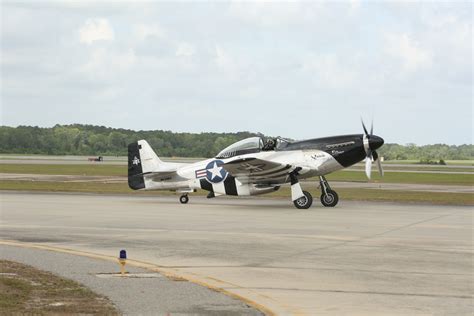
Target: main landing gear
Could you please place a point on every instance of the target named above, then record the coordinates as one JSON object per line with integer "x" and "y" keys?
{"x": 304, "y": 200}
{"x": 184, "y": 199}
{"x": 329, "y": 198}
{"x": 301, "y": 199}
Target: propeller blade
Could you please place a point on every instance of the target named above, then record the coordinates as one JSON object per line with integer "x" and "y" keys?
{"x": 371, "y": 154}
{"x": 368, "y": 166}
{"x": 365, "y": 141}
{"x": 375, "y": 156}
{"x": 379, "y": 164}
{"x": 363, "y": 125}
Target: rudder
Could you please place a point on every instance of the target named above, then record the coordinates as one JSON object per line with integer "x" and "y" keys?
{"x": 135, "y": 170}
{"x": 142, "y": 160}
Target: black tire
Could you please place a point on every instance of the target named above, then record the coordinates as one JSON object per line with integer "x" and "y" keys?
{"x": 329, "y": 200}
{"x": 184, "y": 199}
{"x": 304, "y": 202}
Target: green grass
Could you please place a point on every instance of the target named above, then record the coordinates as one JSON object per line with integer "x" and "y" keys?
{"x": 419, "y": 168}
{"x": 460, "y": 162}
{"x": 344, "y": 194}
{"x": 93, "y": 169}
{"x": 404, "y": 177}
{"x": 114, "y": 170}
{"x": 17, "y": 292}
{"x": 25, "y": 290}
{"x": 442, "y": 198}
{"x": 449, "y": 162}
{"x": 390, "y": 196}
{"x": 86, "y": 187}
{"x": 81, "y": 187}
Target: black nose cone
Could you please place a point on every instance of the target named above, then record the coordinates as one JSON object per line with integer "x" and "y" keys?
{"x": 375, "y": 142}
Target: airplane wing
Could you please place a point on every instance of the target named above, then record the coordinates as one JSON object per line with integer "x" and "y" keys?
{"x": 256, "y": 170}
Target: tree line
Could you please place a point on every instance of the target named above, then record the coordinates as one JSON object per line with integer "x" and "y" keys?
{"x": 78, "y": 139}
{"x": 426, "y": 153}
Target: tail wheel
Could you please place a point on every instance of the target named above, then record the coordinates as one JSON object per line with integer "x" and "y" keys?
{"x": 184, "y": 199}
{"x": 304, "y": 202}
{"x": 330, "y": 199}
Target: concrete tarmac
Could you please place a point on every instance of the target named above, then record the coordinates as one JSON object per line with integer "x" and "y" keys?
{"x": 358, "y": 258}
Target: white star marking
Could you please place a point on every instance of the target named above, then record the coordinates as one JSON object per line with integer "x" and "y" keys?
{"x": 216, "y": 171}
{"x": 135, "y": 161}
{"x": 251, "y": 168}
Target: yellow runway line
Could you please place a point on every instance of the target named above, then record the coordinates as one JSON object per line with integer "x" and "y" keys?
{"x": 216, "y": 284}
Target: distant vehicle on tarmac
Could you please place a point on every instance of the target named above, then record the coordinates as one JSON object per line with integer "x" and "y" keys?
{"x": 256, "y": 166}
{"x": 98, "y": 159}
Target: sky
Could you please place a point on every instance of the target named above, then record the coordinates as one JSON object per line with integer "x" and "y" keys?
{"x": 292, "y": 69}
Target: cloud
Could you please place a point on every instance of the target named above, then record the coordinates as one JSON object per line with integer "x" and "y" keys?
{"x": 143, "y": 31}
{"x": 223, "y": 59}
{"x": 97, "y": 29}
{"x": 106, "y": 63}
{"x": 267, "y": 13}
{"x": 354, "y": 4}
{"x": 264, "y": 57}
{"x": 329, "y": 70}
{"x": 185, "y": 50}
{"x": 409, "y": 52}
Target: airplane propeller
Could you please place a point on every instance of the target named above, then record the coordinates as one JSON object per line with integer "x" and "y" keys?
{"x": 372, "y": 155}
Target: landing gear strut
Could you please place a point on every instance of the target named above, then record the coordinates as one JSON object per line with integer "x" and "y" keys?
{"x": 329, "y": 198}
{"x": 184, "y": 199}
{"x": 301, "y": 199}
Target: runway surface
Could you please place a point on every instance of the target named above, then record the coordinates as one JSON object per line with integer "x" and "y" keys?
{"x": 358, "y": 258}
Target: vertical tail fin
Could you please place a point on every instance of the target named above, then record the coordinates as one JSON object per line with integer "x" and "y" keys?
{"x": 141, "y": 159}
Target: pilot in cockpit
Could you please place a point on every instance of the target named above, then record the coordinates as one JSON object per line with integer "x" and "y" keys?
{"x": 270, "y": 144}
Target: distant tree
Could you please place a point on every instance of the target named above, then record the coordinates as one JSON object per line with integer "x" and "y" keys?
{"x": 78, "y": 139}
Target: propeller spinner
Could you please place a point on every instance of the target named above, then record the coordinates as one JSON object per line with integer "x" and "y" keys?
{"x": 371, "y": 143}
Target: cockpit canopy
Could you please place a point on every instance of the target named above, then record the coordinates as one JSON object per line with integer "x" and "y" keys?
{"x": 242, "y": 147}
{"x": 252, "y": 145}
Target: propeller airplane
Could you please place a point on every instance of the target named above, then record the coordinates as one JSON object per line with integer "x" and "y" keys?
{"x": 257, "y": 166}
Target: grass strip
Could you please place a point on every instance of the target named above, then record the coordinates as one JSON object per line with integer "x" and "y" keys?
{"x": 344, "y": 194}
{"x": 92, "y": 169}
{"x": 417, "y": 169}
{"x": 404, "y": 177}
{"x": 469, "y": 162}
{"x": 95, "y": 169}
{"x": 28, "y": 291}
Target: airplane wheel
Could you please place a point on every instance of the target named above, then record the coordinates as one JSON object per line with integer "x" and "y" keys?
{"x": 305, "y": 201}
{"x": 330, "y": 199}
{"x": 184, "y": 199}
